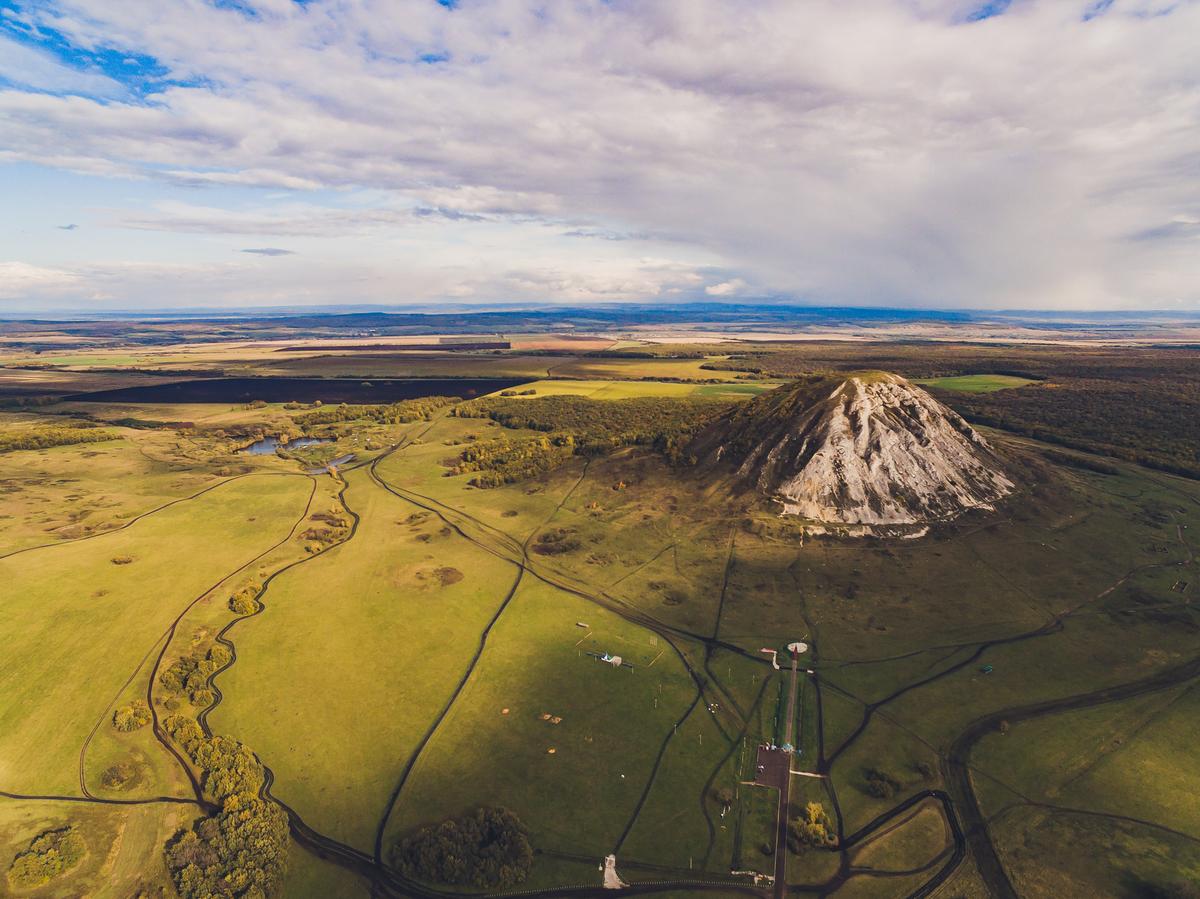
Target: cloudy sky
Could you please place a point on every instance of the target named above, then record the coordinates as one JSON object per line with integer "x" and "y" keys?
{"x": 933, "y": 153}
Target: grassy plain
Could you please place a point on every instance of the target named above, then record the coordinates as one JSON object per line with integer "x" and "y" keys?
{"x": 81, "y": 617}
{"x": 401, "y": 676}
{"x": 376, "y": 633}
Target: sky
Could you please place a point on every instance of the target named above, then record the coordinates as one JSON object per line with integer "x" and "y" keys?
{"x": 1015, "y": 154}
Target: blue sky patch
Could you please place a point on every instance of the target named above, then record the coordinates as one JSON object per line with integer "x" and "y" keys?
{"x": 989, "y": 10}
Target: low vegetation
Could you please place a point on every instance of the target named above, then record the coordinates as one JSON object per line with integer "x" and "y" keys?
{"x": 131, "y": 717}
{"x": 488, "y": 848}
{"x": 49, "y": 854}
{"x": 881, "y": 785}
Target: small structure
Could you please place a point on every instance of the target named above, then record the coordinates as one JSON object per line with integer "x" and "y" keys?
{"x": 615, "y": 661}
{"x": 612, "y": 880}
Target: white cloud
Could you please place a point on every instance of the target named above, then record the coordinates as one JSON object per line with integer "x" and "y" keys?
{"x": 726, "y": 288}
{"x": 882, "y": 151}
{"x": 19, "y": 280}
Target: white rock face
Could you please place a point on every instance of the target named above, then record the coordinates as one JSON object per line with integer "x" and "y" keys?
{"x": 876, "y": 450}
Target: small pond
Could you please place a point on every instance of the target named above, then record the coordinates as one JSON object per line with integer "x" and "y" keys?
{"x": 269, "y": 445}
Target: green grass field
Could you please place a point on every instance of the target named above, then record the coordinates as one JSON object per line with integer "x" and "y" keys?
{"x": 976, "y": 383}
{"x": 80, "y": 618}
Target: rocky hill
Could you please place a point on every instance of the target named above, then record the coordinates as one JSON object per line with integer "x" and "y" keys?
{"x": 868, "y": 448}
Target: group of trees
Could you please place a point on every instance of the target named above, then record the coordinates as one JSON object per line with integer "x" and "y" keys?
{"x": 45, "y": 437}
{"x": 132, "y": 717}
{"x": 240, "y": 851}
{"x": 506, "y": 461}
{"x": 488, "y": 848}
{"x": 49, "y": 855}
{"x": 189, "y": 674}
{"x": 387, "y": 414}
{"x": 575, "y": 425}
{"x": 811, "y": 829}
{"x": 244, "y": 602}
{"x": 227, "y": 766}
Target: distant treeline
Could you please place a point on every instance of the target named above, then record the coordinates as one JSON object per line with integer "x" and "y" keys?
{"x": 575, "y": 425}
{"x": 389, "y": 414}
{"x": 378, "y": 347}
{"x": 1140, "y": 404}
{"x": 45, "y": 437}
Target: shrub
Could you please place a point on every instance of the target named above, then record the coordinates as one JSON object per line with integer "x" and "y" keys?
{"x": 132, "y": 717}
{"x": 881, "y": 785}
{"x": 120, "y": 776}
{"x": 49, "y": 855}
{"x": 488, "y": 848}
{"x": 243, "y": 602}
{"x": 811, "y": 829}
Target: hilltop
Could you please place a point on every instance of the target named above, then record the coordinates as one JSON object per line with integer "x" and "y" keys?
{"x": 867, "y": 448}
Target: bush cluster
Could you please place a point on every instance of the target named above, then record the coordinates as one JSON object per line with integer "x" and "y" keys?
{"x": 244, "y": 601}
{"x": 811, "y": 829}
{"x": 881, "y": 785}
{"x": 487, "y": 848}
{"x": 49, "y": 855}
{"x": 189, "y": 674}
{"x": 132, "y": 717}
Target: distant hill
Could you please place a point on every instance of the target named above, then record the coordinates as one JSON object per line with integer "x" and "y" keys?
{"x": 868, "y": 448}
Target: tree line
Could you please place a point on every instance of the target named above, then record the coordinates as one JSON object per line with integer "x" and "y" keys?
{"x": 242, "y": 849}
{"x": 403, "y": 412}
{"x": 46, "y": 437}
